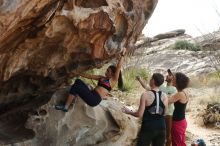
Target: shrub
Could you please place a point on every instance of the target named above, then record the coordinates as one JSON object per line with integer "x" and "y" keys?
{"x": 129, "y": 76}
{"x": 215, "y": 74}
{"x": 185, "y": 45}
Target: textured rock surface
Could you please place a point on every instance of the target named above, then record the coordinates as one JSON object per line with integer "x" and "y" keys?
{"x": 43, "y": 41}
{"x": 170, "y": 34}
{"x": 104, "y": 125}
{"x": 160, "y": 55}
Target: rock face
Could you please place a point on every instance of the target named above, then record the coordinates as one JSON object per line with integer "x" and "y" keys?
{"x": 170, "y": 34}
{"x": 104, "y": 125}
{"x": 43, "y": 41}
{"x": 160, "y": 55}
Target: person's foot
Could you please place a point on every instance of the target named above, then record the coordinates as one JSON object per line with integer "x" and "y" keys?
{"x": 61, "y": 107}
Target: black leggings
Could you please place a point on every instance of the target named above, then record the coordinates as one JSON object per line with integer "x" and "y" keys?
{"x": 92, "y": 98}
{"x": 151, "y": 136}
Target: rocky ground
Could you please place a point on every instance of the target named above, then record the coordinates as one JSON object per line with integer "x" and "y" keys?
{"x": 197, "y": 110}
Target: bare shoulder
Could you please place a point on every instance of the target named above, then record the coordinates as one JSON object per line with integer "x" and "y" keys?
{"x": 144, "y": 94}
{"x": 148, "y": 93}
{"x": 180, "y": 95}
{"x": 184, "y": 96}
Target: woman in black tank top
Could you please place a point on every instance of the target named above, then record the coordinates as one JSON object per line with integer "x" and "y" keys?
{"x": 180, "y": 101}
{"x": 152, "y": 131}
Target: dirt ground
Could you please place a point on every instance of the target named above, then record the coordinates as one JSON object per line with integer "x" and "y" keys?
{"x": 199, "y": 98}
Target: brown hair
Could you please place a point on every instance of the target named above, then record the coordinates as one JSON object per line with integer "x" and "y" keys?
{"x": 158, "y": 79}
{"x": 120, "y": 79}
{"x": 182, "y": 81}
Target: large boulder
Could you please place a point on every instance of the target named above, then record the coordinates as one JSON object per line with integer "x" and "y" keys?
{"x": 82, "y": 125}
{"x": 170, "y": 34}
{"x": 43, "y": 41}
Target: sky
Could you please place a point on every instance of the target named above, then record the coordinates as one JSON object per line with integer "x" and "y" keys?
{"x": 197, "y": 17}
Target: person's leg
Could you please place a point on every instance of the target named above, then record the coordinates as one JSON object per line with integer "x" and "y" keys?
{"x": 184, "y": 124}
{"x": 92, "y": 98}
{"x": 174, "y": 134}
{"x": 80, "y": 88}
{"x": 69, "y": 100}
{"x": 144, "y": 138}
{"x": 72, "y": 95}
{"x": 65, "y": 107}
{"x": 178, "y": 133}
{"x": 159, "y": 139}
{"x": 168, "y": 120}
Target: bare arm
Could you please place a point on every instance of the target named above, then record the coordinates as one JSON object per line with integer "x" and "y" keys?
{"x": 139, "y": 79}
{"x": 174, "y": 98}
{"x": 165, "y": 101}
{"x": 140, "y": 111}
{"x": 118, "y": 69}
{"x": 88, "y": 76}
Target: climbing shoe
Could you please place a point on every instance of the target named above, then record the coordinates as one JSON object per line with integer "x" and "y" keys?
{"x": 61, "y": 107}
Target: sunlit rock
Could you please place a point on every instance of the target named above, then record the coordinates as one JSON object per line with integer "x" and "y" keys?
{"x": 43, "y": 41}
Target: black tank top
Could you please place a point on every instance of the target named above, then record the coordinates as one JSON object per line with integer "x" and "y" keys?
{"x": 153, "y": 117}
{"x": 179, "y": 111}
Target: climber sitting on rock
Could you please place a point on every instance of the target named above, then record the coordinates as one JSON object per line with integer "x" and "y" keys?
{"x": 104, "y": 86}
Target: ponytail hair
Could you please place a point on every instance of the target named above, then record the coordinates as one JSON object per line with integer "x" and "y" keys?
{"x": 120, "y": 82}
{"x": 120, "y": 79}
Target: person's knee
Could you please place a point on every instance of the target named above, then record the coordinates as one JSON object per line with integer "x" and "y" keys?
{"x": 78, "y": 81}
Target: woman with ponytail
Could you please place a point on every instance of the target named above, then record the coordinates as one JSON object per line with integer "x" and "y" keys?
{"x": 104, "y": 86}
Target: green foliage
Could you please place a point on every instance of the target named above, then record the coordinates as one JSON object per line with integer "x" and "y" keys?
{"x": 215, "y": 74}
{"x": 186, "y": 45}
{"x": 129, "y": 76}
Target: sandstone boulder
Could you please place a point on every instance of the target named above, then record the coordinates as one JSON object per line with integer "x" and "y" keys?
{"x": 82, "y": 125}
{"x": 43, "y": 41}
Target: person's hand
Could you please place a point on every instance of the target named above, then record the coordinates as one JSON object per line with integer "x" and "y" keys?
{"x": 123, "y": 51}
{"x": 98, "y": 64}
{"x": 169, "y": 78}
{"x": 121, "y": 54}
{"x": 138, "y": 78}
{"x": 76, "y": 73}
{"x": 126, "y": 110}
